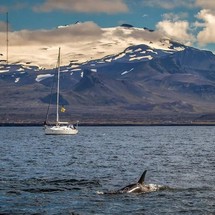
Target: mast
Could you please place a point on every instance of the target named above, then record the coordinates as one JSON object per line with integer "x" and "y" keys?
{"x": 58, "y": 86}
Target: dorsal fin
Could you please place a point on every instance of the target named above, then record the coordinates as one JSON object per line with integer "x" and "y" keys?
{"x": 141, "y": 180}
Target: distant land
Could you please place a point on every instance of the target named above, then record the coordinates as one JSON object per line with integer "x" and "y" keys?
{"x": 130, "y": 76}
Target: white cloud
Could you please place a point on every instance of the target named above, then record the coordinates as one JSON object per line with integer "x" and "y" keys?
{"x": 40, "y": 46}
{"x": 13, "y": 6}
{"x": 87, "y": 31}
{"x": 79, "y": 42}
{"x": 176, "y": 27}
{"x": 207, "y": 35}
{"x": 137, "y": 34}
{"x": 168, "y": 4}
{"x": 178, "y": 30}
{"x": 3, "y": 27}
{"x": 174, "y": 17}
{"x": 87, "y": 6}
{"x": 206, "y": 4}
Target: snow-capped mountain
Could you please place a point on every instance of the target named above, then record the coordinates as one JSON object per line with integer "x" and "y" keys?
{"x": 127, "y": 75}
{"x": 94, "y": 43}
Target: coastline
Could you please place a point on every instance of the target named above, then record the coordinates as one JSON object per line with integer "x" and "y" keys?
{"x": 17, "y": 124}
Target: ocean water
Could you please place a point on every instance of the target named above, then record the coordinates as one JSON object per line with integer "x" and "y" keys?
{"x": 42, "y": 174}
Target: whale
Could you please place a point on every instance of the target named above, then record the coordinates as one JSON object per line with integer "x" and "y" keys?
{"x": 138, "y": 187}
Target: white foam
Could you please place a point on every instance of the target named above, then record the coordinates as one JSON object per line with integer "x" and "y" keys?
{"x": 99, "y": 192}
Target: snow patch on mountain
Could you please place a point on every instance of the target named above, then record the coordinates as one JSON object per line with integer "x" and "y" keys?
{"x": 4, "y": 70}
{"x": 149, "y": 57}
{"x": 42, "y": 77}
{"x": 93, "y": 70}
{"x": 20, "y": 69}
{"x": 119, "y": 56}
{"x": 17, "y": 80}
{"x": 75, "y": 70}
{"x": 123, "y": 73}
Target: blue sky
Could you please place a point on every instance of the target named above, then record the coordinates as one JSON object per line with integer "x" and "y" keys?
{"x": 188, "y": 21}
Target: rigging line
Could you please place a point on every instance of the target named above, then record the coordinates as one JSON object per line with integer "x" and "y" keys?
{"x": 7, "y": 37}
{"x": 50, "y": 100}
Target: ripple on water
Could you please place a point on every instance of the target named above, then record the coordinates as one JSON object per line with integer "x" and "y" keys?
{"x": 61, "y": 175}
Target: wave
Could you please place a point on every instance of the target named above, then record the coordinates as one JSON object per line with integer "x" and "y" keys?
{"x": 35, "y": 185}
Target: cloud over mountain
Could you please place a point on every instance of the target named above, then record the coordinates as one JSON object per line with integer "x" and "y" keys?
{"x": 206, "y": 35}
{"x": 178, "y": 30}
{"x": 78, "y": 32}
{"x": 80, "y": 42}
{"x": 188, "y": 21}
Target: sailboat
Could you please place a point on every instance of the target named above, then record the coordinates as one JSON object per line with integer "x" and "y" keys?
{"x": 60, "y": 128}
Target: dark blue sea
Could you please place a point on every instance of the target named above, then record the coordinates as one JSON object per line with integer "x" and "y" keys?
{"x": 42, "y": 174}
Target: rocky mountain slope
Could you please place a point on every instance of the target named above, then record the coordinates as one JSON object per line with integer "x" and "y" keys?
{"x": 149, "y": 82}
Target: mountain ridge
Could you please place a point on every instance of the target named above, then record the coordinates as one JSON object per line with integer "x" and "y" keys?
{"x": 140, "y": 84}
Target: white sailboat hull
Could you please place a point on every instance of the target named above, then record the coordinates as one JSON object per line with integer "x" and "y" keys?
{"x": 60, "y": 130}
